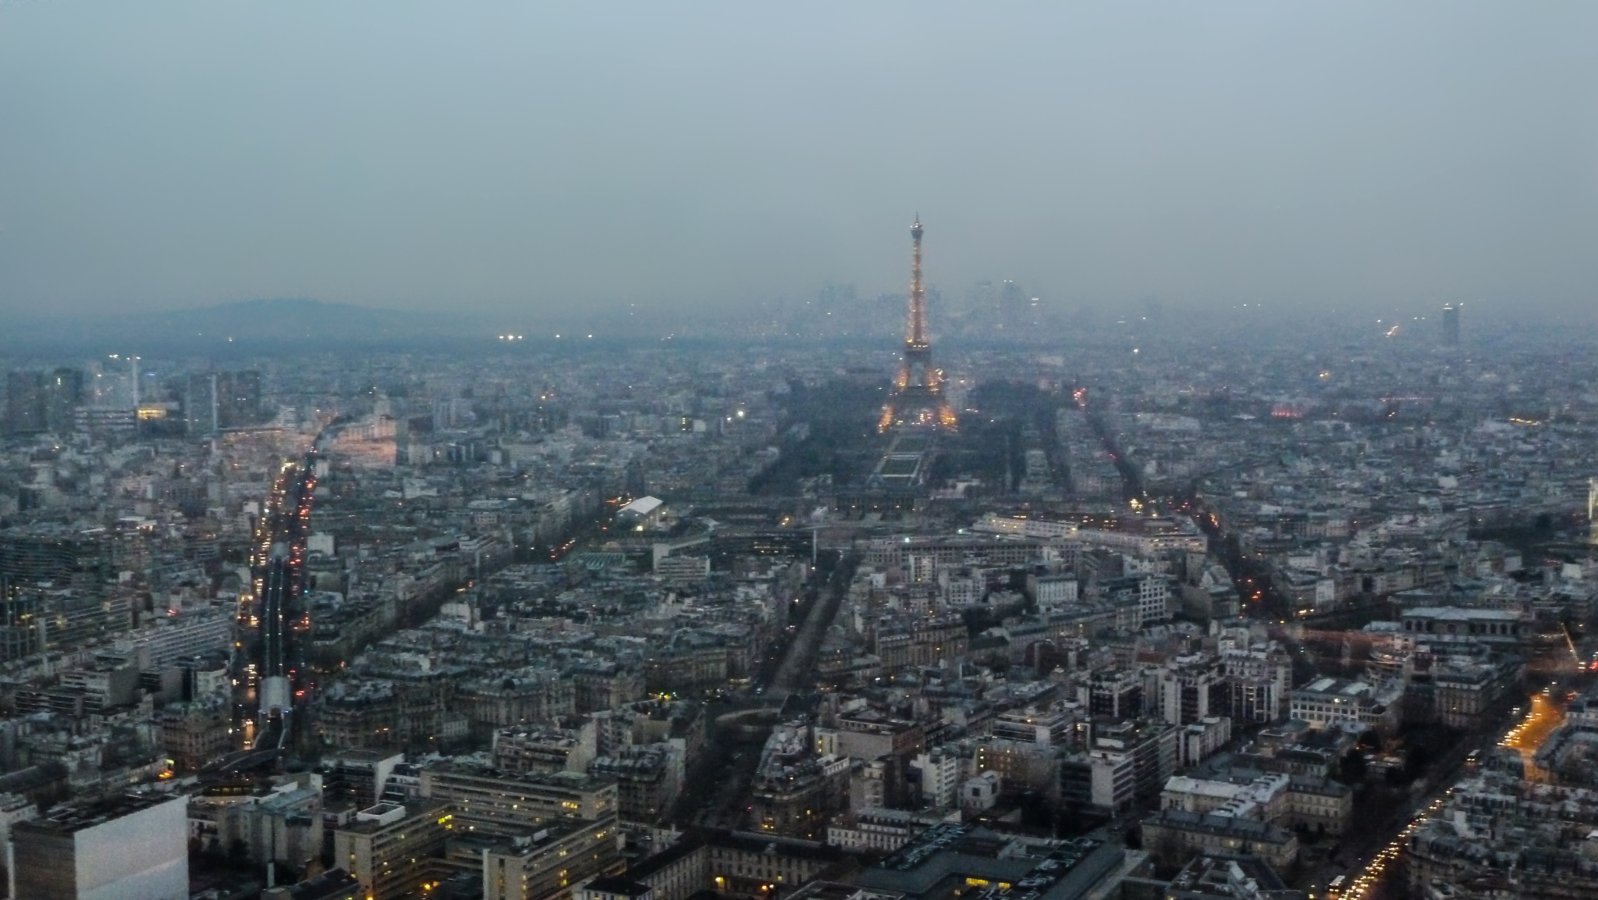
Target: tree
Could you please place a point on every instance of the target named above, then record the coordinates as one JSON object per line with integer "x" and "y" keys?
{"x": 1416, "y": 761}
{"x": 1355, "y": 767}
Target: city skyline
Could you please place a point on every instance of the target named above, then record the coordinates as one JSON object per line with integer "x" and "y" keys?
{"x": 510, "y": 452}
{"x": 582, "y": 594}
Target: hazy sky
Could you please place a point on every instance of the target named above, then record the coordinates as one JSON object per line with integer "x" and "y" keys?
{"x": 484, "y": 155}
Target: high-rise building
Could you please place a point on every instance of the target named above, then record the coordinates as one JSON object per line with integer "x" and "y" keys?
{"x": 1189, "y": 689}
{"x": 917, "y": 399}
{"x": 57, "y": 555}
{"x": 391, "y": 849}
{"x": 548, "y": 863}
{"x": 24, "y": 402}
{"x": 214, "y": 401}
{"x": 43, "y": 401}
{"x": 127, "y": 847}
{"x": 1451, "y": 324}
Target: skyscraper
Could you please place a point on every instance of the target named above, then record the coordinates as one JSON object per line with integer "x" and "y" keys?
{"x": 124, "y": 847}
{"x": 215, "y": 401}
{"x": 1451, "y": 324}
{"x": 43, "y": 401}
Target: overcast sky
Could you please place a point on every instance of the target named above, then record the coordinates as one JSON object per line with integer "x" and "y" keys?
{"x": 493, "y": 156}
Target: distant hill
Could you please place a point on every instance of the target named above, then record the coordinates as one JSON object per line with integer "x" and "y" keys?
{"x": 292, "y": 319}
{"x": 295, "y": 324}
{"x": 255, "y": 324}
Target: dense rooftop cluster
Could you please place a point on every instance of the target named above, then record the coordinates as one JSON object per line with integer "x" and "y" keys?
{"x": 655, "y": 622}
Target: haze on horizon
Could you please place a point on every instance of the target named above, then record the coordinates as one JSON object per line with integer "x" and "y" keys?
{"x": 495, "y": 156}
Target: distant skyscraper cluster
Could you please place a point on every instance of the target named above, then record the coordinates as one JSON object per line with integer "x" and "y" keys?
{"x": 67, "y": 400}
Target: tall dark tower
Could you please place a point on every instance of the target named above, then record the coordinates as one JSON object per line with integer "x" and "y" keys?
{"x": 917, "y": 399}
{"x": 1451, "y": 324}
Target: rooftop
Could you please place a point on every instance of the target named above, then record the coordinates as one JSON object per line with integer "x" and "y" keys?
{"x": 80, "y": 818}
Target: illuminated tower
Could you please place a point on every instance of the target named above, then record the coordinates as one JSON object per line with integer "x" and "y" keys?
{"x": 1451, "y": 324}
{"x": 917, "y": 399}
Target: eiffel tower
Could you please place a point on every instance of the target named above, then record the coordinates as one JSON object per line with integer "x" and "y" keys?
{"x": 917, "y": 400}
